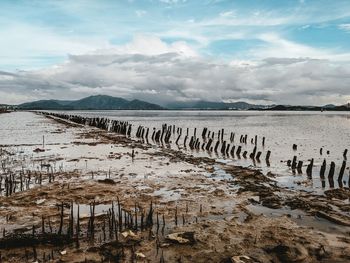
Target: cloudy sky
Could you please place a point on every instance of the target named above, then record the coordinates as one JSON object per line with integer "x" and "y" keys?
{"x": 259, "y": 51}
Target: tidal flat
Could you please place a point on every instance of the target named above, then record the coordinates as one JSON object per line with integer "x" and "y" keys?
{"x": 73, "y": 192}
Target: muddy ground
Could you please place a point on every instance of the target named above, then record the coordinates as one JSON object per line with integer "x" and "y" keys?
{"x": 167, "y": 206}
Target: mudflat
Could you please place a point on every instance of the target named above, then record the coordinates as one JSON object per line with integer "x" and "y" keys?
{"x": 75, "y": 193}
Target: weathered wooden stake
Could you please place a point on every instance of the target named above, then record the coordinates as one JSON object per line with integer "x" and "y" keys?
{"x": 342, "y": 170}
{"x": 331, "y": 170}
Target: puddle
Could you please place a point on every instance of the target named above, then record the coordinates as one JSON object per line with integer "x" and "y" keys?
{"x": 301, "y": 219}
{"x": 168, "y": 195}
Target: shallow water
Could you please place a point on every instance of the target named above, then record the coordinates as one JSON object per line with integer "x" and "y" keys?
{"x": 309, "y": 130}
{"x": 300, "y": 218}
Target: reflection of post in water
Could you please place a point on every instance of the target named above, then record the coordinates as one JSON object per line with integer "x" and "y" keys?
{"x": 340, "y": 184}
{"x": 267, "y": 158}
{"x": 233, "y": 151}
{"x": 258, "y": 156}
{"x": 331, "y": 182}
{"x": 300, "y": 165}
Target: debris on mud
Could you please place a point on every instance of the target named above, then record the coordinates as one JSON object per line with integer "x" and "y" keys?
{"x": 185, "y": 238}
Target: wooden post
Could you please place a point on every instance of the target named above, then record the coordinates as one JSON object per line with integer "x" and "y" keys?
{"x": 323, "y": 169}
{"x": 227, "y": 149}
{"x": 294, "y": 162}
{"x": 331, "y": 170}
{"x": 267, "y": 158}
{"x": 300, "y": 165}
{"x": 216, "y": 146}
{"x": 309, "y": 168}
{"x": 342, "y": 170}
{"x": 252, "y": 155}
{"x": 223, "y": 147}
{"x": 239, "y": 150}
{"x": 258, "y": 156}
{"x": 178, "y": 138}
{"x": 331, "y": 175}
{"x": 233, "y": 151}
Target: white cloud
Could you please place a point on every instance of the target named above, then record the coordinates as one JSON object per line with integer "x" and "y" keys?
{"x": 166, "y": 77}
{"x": 227, "y": 13}
{"x": 150, "y": 45}
{"x": 23, "y": 45}
{"x": 140, "y": 13}
{"x": 345, "y": 27}
{"x": 172, "y": 1}
{"x": 305, "y": 27}
{"x": 259, "y": 19}
{"x": 277, "y": 46}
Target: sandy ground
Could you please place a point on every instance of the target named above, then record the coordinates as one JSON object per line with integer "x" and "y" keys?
{"x": 192, "y": 209}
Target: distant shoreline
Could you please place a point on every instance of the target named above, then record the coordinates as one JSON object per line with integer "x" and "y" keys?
{"x": 208, "y": 110}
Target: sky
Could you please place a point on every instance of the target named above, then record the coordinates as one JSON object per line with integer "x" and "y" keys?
{"x": 259, "y": 51}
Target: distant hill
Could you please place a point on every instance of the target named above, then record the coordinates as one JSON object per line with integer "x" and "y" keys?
{"x": 210, "y": 105}
{"x": 98, "y": 102}
{"x": 329, "y": 106}
{"x": 42, "y": 105}
{"x": 308, "y": 108}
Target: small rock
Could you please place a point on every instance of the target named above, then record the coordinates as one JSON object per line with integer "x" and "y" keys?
{"x": 241, "y": 259}
{"x": 291, "y": 253}
{"x": 182, "y": 238}
{"x": 140, "y": 255}
{"x": 38, "y": 150}
{"x": 106, "y": 181}
{"x": 40, "y": 201}
{"x": 128, "y": 233}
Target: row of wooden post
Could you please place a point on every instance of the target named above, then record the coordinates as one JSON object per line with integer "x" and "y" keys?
{"x": 164, "y": 135}
{"x": 298, "y": 166}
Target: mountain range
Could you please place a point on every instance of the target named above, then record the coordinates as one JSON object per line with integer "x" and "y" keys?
{"x": 210, "y": 105}
{"x": 329, "y": 107}
{"x": 98, "y": 102}
{"x": 104, "y": 102}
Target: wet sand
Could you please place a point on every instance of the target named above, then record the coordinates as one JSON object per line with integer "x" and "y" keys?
{"x": 173, "y": 206}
